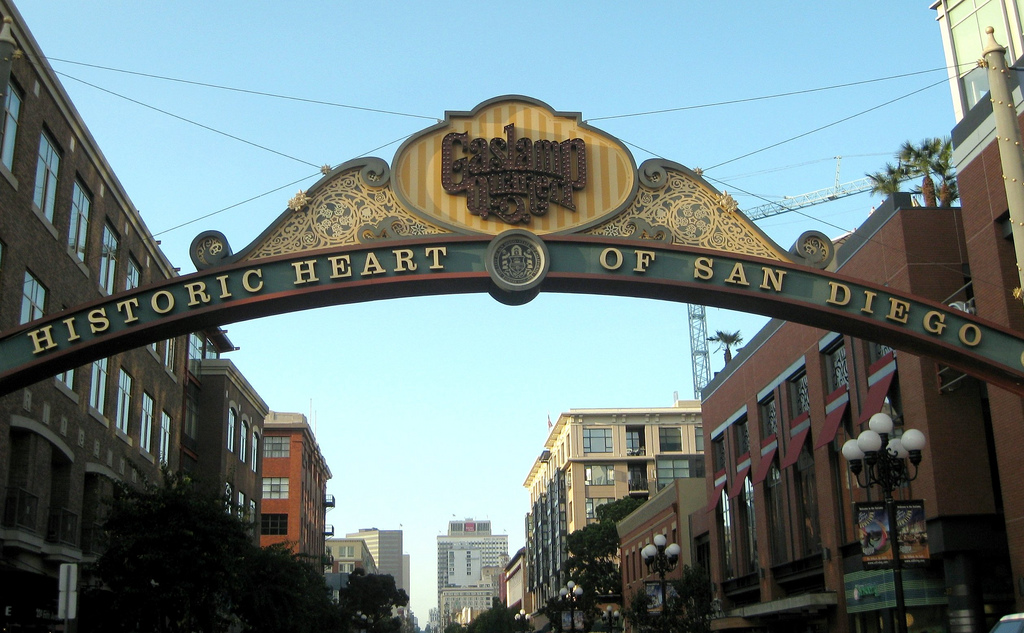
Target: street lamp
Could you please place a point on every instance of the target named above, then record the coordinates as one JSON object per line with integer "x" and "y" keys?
{"x": 661, "y": 558}
{"x": 570, "y": 595}
{"x": 612, "y": 618}
{"x": 523, "y": 621}
{"x": 888, "y": 470}
{"x": 360, "y": 622}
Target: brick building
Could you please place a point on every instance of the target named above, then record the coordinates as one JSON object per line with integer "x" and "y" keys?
{"x": 295, "y": 478}
{"x": 785, "y": 547}
{"x": 69, "y": 234}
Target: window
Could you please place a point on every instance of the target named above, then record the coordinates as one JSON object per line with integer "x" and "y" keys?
{"x": 191, "y": 428}
{"x": 275, "y": 446}
{"x": 769, "y": 417}
{"x": 597, "y": 440}
{"x": 134, "y": 278}
{"x": 799, "y": 400}
{"x": 124, "y": 400}
{"x": 165, "y": 437}
{"x": 195, "y": 348}
{"x": 837, "y": 372}
{"x": 726, "y": 535}
{"x": 600, "y": 475}
{"x": 670, "y": 439}
{"x": 742, "y": 437}
{"x": 98, "y": 385}
{"x": 670, "y": 468}
{"x": 67, "y": 378}
{"x": 46, "y": 177}
{"x": 634, "y": 442}
{"x": 242, "y": 439}
{"x": 777, "y": 529}
{"x": 275, "y": 487}
{"x": 108, "y": 259}
{"x": 749, "y": 526}
{"x": 12, "y": 111}
{"x": 698, "y": 438}
{"x": 33, "y": 299}
{"x": 232, "y": 418}
{"x": 594, "y": 503}
{"x": 718, "y": 453}
{"x": 255, "y": 451}
{"x": 169, "y": 355}
{"x": 146, "y": 423}
{"x": 78, "y": 235}
{"x": 807, "y": 499}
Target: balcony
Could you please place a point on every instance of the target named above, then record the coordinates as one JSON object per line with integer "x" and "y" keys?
{"x": 93, "y": 540}
{"x": 639, "y": 486}
{"x": 328, "y": 530}
{"x": 20, "y": 509}
{"x": 638, "y": 451}
{"x": 329, "y": 501}
{"x": 62, "y": 527}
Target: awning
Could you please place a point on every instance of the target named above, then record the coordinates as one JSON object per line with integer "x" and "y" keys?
{"x": 737, "y": 482}
{"x": 876, "y": 396}
{"x": 832, "y": 421}
{"x": 796, "y": 442}
{"x": 764, "y": 465}
{"x": 716, "y": 496}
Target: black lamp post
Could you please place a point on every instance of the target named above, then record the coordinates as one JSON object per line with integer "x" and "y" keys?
{"x": 661, "y": 557}
{"x": 612, "y": 618}
{"x": 360, "y": 622}
{"x": 570, "y": 596}
{"x": 523, "y": 621}
{"x": 888, "y": 470}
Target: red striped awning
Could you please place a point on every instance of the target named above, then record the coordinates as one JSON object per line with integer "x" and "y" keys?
{"x": 737, "y": 482}
{"x": 716, "y": 496}
{"x": 764, "y": 465}
{"x": 832, "y": 422}
{"x": 876, "y": 396}
{"x": 793, "y": 450}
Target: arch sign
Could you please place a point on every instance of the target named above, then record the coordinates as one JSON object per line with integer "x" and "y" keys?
{"x": 511, "y": 198}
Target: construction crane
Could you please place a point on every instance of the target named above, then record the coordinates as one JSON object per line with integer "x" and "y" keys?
{"x": 697, "y": 315}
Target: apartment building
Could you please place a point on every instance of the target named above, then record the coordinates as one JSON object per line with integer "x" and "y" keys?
{"x": 594, "y": 456}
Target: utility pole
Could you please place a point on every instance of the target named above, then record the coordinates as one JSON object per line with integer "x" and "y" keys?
{"x": 1008, "y": 137}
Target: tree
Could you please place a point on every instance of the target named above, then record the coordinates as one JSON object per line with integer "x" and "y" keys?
{"x": 497, "y": 619}
{"x": 687, "y": 610}
{"x": 889, "y": 180}
{"x": 150, "y": 532}
{"x": 284, "y": 593}
{"x": 727, "y": 341}
{"x": 375, "y": 596}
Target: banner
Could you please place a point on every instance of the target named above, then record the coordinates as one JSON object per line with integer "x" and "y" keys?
{"x": 877, "y": 539}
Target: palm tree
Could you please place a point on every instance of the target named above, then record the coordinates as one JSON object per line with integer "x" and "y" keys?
{"x": 889, "y": 180}
{"x": 919, "y": 160}
{"x": 942, "y": 167}
{"x": 727, "y": 341}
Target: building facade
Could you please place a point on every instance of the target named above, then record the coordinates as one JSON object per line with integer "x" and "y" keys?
{"x": 294, "y": 482}
{"x": 785, "y": 542}
{"x": 385, "y": 546}
{"x": 349, "y": 554}
{"x": 470, "y": 559}
{"x": 594, "y": 456}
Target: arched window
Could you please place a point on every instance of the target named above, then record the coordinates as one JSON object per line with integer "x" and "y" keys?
{"x": 232, "y": 420}
{"x": 255, "y": 450}
{"x": 242, "y": 440}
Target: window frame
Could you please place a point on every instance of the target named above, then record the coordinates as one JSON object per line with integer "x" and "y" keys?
{"x": 11, "y": 124}
{"x": 44, "y": 195}
{"x": 606, "y": 438}
{"x": 33, "y": 301}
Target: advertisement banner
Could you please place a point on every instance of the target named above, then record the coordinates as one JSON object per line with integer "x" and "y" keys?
{"x": 877, "y": 538}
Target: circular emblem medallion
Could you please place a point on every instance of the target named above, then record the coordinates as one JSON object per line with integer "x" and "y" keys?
{"x": 517, "y": 260}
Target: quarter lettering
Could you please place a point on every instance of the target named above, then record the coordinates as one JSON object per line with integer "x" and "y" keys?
{"x": 98, "y": 321}
{"x": 840, "y": 294}
{"x": 247, "y": 283}
{"x": 341, "y": 266}
{"x": 970, "y": 334}
{"x": 128, "y": 307}
{"x": 304, "y": 272}
{"x": 898, "y": 310}
{"x": 772, "y": 277}
{"x": 703, "y": 268}
{"x": 372, "y": 265}
{"x": 166, "y": 297}
{"x": 435, "y": 252}
{"x": 197, "y": 293}
{"x": 42, "y": 339}
{"x": 643, "y": 261}
{"x": 616, "y": 261}
{"x": 738, "y": 276}
{"x": 403, "y": 257}
{"x": 934, "y": 322}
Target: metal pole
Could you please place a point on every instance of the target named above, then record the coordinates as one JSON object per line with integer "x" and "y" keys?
{"x": 897, "y": 571}
{"x": 1008, "y": 137}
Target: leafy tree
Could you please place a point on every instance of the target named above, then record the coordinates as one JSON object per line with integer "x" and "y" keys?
{"x": 374, "y": 596}
{"x": 454, "y": 627}
{"x": 173, "y": 559}
{"x": 727, "y": 341}
{"x": 285, "y": 593}
{"x": 497, "y": 619}
{"x": 687, "y": 610}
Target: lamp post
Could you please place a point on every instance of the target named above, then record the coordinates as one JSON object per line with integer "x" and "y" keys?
{"x": 612, "y": 618}
{"x": 360, "y": 622}
{"x": 523, "y": 621}
{"x": 570, "y": 595}
{"x": 888, "y": 470}
{"x": 661, "y": 557}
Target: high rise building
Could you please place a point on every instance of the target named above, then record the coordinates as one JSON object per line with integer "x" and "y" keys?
{"x": 386, "y": 548}
{"x": 594, "y": 456}
{"x": 295, "y": 478}
{"x": 469, "y": 560}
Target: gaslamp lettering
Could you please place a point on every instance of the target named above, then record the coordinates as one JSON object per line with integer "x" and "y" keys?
{"x": 869, "y": 298}
{"x": 168, "y": 300}
{"x": 703, "y": 268}
{"x": 616, "y": 259}
{"x": 772, "y": 279}
{"x": 197, "y": 293}
{"x": 737, "y": 276}
{"x": 98, "y": 321}
{"x": 42, "y": 339}
{"x": 970, "y": 334}
{"x": 341, "y": 266}
{"x": 435, "y": 253}
{"x": 839, "y": 294}
{"x": 643, "y": 261}
{"x": 128, "y": 308}
{"x": 403, "y": 260}
{"x": 224, "y": 292}
{"x": 898, "y": 310}
{"x": 305, "y": 272}
{"x": 934, "y": 322}
{"x": 514, "y": 179}
{"x": 247, "y": 280}
{"x": 372, "y": 265}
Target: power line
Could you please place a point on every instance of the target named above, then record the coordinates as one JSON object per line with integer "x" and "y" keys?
{"x": 764, "y": 97}
{"x": 244, "y": 90}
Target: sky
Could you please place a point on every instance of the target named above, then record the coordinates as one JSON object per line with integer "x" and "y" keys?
{"x": 214, "y": 114}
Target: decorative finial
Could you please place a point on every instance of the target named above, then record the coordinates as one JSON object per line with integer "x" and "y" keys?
{"x": 299, "y": 201}
{"x": 727, "y": 202}
{"x": 991, "y": 45}
{"x": 6, "y": 36}
{"x": 698, "y": 171}
{"x": 326, "y": 169}
{"x": 1018, "y": 293}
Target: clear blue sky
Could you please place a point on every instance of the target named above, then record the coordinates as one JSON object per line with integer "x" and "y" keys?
{"x": 436, "y": 407}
